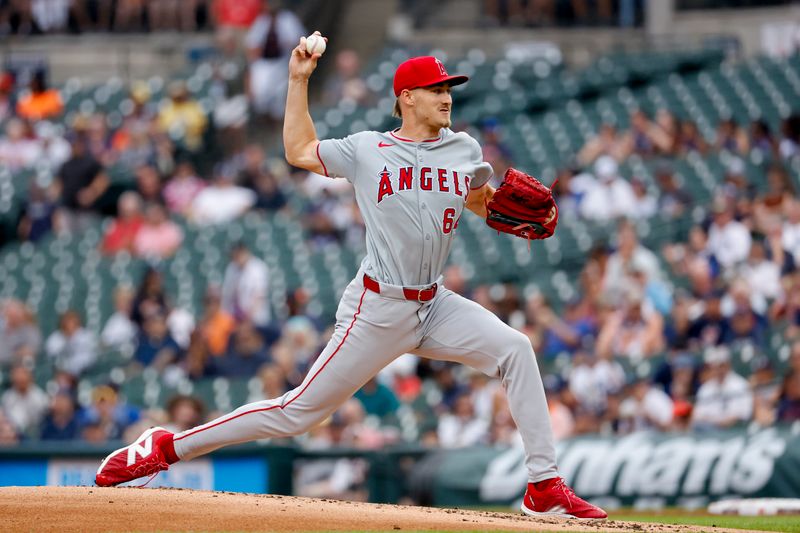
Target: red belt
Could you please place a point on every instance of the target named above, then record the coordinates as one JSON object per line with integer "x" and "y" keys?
{"x": 416, "y": 295}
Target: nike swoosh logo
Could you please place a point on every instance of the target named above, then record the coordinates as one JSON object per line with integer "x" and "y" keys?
{"x": 384, "y": 145}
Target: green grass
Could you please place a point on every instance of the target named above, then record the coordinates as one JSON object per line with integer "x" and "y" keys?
{"x": 788, "y": 524}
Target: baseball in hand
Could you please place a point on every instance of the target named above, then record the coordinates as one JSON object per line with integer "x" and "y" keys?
{"x": 315, "y": 44}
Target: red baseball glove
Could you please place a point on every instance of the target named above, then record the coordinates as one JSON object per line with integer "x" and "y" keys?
{"x": 522, "y": 206}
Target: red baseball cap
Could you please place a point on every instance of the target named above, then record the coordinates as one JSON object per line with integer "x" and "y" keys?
{"x": 423, "y": 71}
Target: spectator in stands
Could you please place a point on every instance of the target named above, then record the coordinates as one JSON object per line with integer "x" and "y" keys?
{"x": 270, "y": 42}
{"x": 54, "y": 150}
{"x": 159, "y": 237}
{"x": 150, "y": 297}
{"x": 184, "y": 412}
{"x": 569, "y": 197}
{"x": 647, "y": 408}
{"x": 20, "y": 338}
{"x": 98, "y": 138}
{"x": 72, "y": 348}
{"x": 592, "y": 379}
{"x": 246, "y": 355}
{"x": 197, "y": 362}
{"x": 790, "y": 236}
{"x": 657, "y": 293}
{"x": 17, "y": 150}
{"x": 735, "y": 184}
{"x": 559, "y": 334}
{"x": 120, "y": 332}
{"x": 24, "y": 402}
{"x": 269, "y": 195}
{"x": 789, "y": 145}
{"x": 636, "y": 330}
{"x": 639, "y": 138}
{"x": 775, "y": 201}
{"x": 107, "y": 417}
{"x": 148, "y": 184}
{"x": 673, "y": 201}
{"x": 223, "y": 200}
{"x": 630, "y": 254}
{"x": 183, "y": 117}
{"x": 645, "y": 205}
{"x": 217, "y": 323}
{"x": 121, "y": 233}
{"x": 610, "y": 196}
{"x": 690, "y": 139}
{"x": 763, "y": 277}
{"x": 181, "y": 190}
{"x": 710, "y": 326}
{"x": 789, "y": 398}
{"x": 761, "y": 140}
{"x": 678, "y": 378}
{"x": 447, "y": 384}
{"x": 345, "y": 83}
{"x": 255, "y": 175}
{"x": 461, "y": 428}
{"x": 731, "y": 137}
{"x": 245, "y": 288}
{"x": 82, "y": 182}
{"x": 296, "y": 349}
{"x": 377, "y": 399}
{"x": 237, "y": 14}
{"x": 496, "y": 152}
{"x": 606, "y": 142}
{"x": 677, "y": 328}
{"x": 41, "y": 102}
{"x": 128, "y": 15}
{"x": 665, "y": 133}
{"x": 156, "y": 347}
{"x": 724, "y": 398}
{"x": 8, "y": 435}
{"x": 692, "y": 260}
{"x": 273, "y": 382}
{"x": 743, "y": 310}
{"x": 61, "y": 422}
{"x": 560, "y": 415}
{"x": 728, "y": 239}
{"x": 136, "y": 149}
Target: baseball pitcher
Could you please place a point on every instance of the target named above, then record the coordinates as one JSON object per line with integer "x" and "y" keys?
{"x": 412, "y": 185}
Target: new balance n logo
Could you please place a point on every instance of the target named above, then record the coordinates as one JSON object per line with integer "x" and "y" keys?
{"x": 144, "y": 449}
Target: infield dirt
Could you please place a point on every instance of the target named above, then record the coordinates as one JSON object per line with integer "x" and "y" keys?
{"x": 132, "y": 509}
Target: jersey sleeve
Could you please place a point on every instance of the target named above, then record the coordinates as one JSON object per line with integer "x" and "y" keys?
{"x": 338, "y": 156}
{"x": 483, "y": 171}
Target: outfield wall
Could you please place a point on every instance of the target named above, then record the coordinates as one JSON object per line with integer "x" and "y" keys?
{"x": 645, "y": 470}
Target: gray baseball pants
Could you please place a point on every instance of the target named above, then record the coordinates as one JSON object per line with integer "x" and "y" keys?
{"x": 372, "y": 330}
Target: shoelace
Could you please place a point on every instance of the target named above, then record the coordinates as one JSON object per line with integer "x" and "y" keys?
{"x": 566, "y": 489}
{"x": 150, "y": 466}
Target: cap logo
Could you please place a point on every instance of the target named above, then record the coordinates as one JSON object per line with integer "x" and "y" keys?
{"x": 442, "y": 71}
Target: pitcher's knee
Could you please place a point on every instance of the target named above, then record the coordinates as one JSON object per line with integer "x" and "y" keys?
{"x": 519, "y": 343}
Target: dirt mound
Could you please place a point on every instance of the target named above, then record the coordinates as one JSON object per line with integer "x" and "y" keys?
{"x": 130, "y": 509}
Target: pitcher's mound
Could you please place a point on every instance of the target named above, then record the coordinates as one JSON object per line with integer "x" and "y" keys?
{"x": 130, "y": 509}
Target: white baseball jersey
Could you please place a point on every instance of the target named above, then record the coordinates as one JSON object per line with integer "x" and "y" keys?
{"x": 411, "y": 195}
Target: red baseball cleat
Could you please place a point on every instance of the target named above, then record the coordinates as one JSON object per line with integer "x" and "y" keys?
{"x": 554, "y": 497}
{"x": 145, "y": 457}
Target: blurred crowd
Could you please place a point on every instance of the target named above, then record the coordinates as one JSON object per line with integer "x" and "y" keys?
{"x": 703, "y": 310}
{"x": 37, "y": 17}
{"x": 535, "y": 13}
